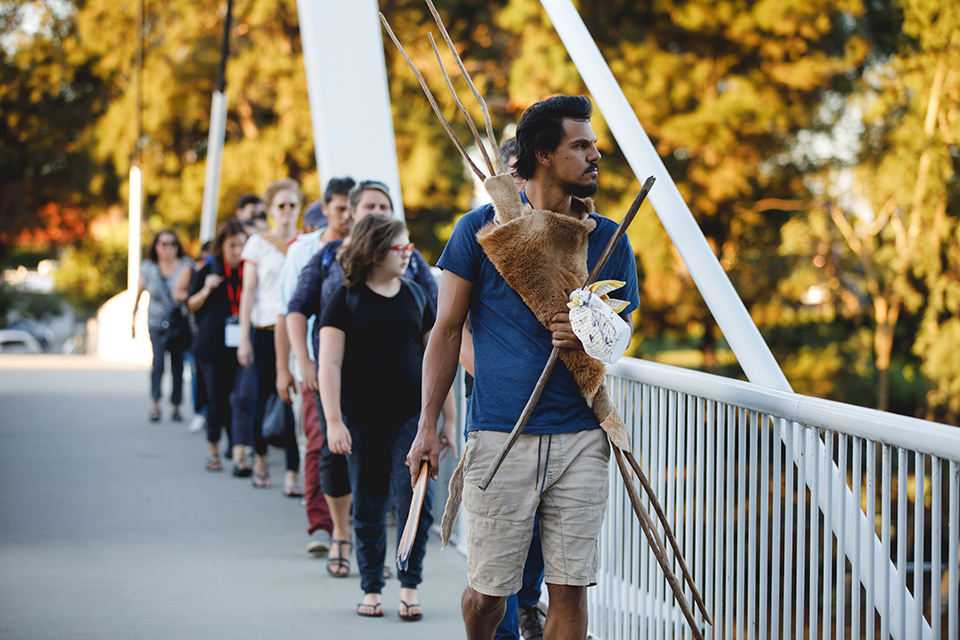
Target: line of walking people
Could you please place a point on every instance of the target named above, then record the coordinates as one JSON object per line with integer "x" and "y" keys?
{"x": 340, "y": 314}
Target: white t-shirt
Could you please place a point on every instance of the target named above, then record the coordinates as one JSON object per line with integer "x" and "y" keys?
{"x": 269, "y": 262}
{"x": 298, "y": 255}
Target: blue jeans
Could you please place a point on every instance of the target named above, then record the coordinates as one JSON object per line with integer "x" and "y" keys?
{"x": 379, "y": 455}
{"x": 243, "y": 405}
{"x": 509, "y": 627}
{"x": 529, "y": 594}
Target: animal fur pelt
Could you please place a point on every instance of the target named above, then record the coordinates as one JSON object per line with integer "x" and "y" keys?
{"x": 543, "y": 257}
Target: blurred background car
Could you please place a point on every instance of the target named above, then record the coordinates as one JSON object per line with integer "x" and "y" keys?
{"x": 18, "y": 341}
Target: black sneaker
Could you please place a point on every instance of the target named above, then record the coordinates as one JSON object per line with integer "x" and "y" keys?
{"x": 531, "y": 625}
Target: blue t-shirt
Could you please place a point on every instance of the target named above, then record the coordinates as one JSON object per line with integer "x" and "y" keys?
{"x": 511, "y": 346}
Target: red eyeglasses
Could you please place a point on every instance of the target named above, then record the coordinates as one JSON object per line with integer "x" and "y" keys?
{"x": 402, "y": 248}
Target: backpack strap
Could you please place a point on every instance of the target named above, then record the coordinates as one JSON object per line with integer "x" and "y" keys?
{"x": 415, "y": 264}
{"x": 353, "y": 297}
{"x": 418, "y": 293}
{"x": 327, "y": 255}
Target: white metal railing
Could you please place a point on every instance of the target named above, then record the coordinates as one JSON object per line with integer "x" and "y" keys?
{"x": 774, "y": 498}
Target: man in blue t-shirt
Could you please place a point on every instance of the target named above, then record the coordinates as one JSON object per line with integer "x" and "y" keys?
{"x": 558, "y": 468}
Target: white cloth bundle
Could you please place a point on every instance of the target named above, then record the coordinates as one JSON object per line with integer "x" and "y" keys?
{"x": 593, "y": 315}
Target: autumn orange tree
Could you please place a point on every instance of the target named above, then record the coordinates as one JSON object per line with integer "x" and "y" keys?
{"x": 730, "y": 92}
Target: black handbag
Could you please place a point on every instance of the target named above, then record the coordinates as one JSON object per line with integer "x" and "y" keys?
{"x": 278, "y": 422}
{"x": 175, "y": 329}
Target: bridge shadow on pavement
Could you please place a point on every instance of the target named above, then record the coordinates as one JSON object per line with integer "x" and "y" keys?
{"x": 111, "y": 528}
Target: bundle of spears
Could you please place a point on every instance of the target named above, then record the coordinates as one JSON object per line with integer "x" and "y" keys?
{"x": 619, "y": 441}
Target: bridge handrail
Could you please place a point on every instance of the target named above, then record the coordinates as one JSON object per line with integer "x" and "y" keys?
{"x": 922, "y": 436}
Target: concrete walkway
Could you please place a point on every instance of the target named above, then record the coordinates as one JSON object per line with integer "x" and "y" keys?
{"x": 111, "y": 528}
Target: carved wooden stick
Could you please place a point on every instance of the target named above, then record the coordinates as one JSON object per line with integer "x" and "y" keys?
{"x": 552, "y": 360}
{"x": 456, "y": 98}
{"x": 405, "y": 546}
{"x": 669, "y": 533}
{"x": 433, "y": 102}
{"x": 476, "y": 94}
{"x": 656, "y": 544}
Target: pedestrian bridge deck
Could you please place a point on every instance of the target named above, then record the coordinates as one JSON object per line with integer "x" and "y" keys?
{"x": 111, "y": 528}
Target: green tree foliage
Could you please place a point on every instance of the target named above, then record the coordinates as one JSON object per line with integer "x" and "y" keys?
{"x": 69, "y": 115}
{"x": 268, "y": 125}
{"x": 917, "y": 161}
{"x": 738, "y": 98}
{"x": 724, "y": 90}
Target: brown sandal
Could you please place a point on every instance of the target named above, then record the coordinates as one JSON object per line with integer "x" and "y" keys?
{"x": 213, "y": 463}
{"x": 340, "y": 567}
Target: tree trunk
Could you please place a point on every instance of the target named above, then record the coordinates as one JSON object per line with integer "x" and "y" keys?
{"x": 709, "y": 348}
{"x": 886, "y": 314}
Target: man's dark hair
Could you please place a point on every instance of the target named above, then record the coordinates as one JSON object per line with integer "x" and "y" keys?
{"x": 508, "y": 150}
{"x": 247, "y": 198}
{"x": 338, "y": 187}
{"x": 541, "y": 127}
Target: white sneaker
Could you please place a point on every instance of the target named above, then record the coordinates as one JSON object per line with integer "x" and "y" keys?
{"x": 319, "y": 542}
{"x": 198, "y": 423}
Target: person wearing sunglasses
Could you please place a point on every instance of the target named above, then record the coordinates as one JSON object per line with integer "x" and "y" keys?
{"x": 322, "y": 525}
{"x": 263, "y": 257}
{"x": 167, "y": 270}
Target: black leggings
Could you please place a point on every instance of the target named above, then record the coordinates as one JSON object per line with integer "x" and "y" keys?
{"x": 218, "y": 377}
{"x": 265, "y": 365}
{"x": 334, "y": 477}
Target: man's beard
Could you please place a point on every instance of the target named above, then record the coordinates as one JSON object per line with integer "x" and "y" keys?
{"x": 581, "y": 190}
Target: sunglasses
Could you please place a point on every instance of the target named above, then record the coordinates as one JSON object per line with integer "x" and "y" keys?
{"x": 402, "y": 248}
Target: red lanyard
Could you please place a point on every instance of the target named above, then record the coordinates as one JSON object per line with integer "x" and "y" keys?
{"x": 233, "y": 293}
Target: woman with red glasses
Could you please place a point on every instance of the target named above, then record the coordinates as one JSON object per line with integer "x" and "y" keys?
{"x": 318, "y": 282}
{"x": 372, "y": 338}
{"x": 166, "y": 270}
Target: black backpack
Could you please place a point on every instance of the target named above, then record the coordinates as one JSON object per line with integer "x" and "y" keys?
{"x": 353, "y": 296}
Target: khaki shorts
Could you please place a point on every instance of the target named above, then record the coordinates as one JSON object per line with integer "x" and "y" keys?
{"x": 563, "y": 478}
